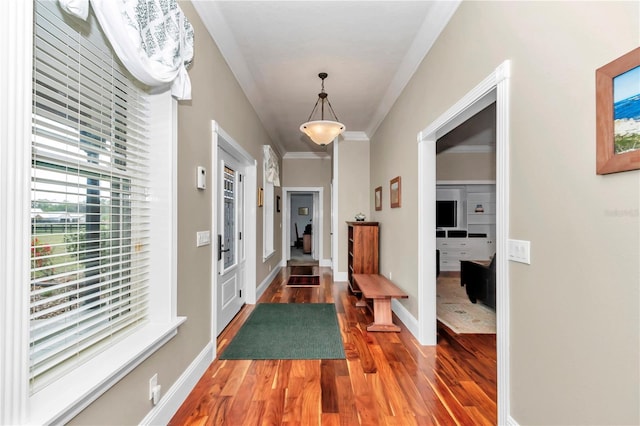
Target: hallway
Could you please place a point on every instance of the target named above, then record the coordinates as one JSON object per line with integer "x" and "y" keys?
{"x": 386, "y": 378}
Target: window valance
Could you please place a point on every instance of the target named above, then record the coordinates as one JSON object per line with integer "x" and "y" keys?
{"x": 152, "y": 38}
{"x": 271, "y": 166}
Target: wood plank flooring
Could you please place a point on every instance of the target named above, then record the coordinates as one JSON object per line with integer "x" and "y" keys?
{"x": 386, "y": 378}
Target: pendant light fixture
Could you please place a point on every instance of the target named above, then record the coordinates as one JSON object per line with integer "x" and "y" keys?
{"x": 322, "y": 131}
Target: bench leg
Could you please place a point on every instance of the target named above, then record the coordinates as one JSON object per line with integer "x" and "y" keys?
{"x": 382, "y": 318}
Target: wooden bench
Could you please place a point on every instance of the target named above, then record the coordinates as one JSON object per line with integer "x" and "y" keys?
{"x": 381, "y": 291}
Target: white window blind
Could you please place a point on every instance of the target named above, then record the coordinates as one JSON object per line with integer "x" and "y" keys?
{"x": 90, "y": 214}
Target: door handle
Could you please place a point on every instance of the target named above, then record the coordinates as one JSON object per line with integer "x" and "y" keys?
{"x": 220, "y": 249}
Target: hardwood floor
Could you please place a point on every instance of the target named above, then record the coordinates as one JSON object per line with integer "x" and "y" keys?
{"x": 386, "y": 378}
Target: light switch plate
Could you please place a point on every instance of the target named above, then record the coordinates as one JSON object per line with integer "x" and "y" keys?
{"x": 203, "y": 238}
{"x": 520, "y": 251}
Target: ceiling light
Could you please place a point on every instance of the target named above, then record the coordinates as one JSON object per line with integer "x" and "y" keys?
{"x": 322, "y": 131}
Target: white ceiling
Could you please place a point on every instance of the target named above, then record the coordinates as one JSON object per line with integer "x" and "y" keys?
{"x": 370, "y": 49}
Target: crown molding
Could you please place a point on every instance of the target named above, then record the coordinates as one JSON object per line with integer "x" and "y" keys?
{"x": 355, "y": 136}
{"x": 306, "y": 156}
{"x": 435, "y": 21}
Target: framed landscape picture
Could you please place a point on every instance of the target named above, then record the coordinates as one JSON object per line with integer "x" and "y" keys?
{"x": 618, "y": 114}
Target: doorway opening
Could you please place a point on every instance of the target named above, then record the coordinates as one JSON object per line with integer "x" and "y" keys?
{"x": 302, "y": 228}
{"x": 494, "y": 88}
{"x": 466, "y": 227}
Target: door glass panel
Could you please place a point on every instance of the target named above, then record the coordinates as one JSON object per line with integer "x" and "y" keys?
{"x": 229, "y": 217}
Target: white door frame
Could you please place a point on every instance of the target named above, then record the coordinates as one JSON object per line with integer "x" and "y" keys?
{"x": 493, "y": 88}
{"x": 220, "y": 139}
{"x": 318, "y": 220}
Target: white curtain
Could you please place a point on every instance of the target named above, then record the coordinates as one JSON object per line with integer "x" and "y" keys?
{"x": 271, "y": 166}
{"x": 152, "y": 38}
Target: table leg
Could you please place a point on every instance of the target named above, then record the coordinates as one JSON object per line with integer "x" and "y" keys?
{"x": 382, "y": 317}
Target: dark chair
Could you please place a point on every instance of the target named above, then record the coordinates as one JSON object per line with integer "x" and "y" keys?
{"x": 480, "y": 281}
{"x": 298, "y": 243}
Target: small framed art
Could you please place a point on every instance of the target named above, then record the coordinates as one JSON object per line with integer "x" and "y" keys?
{"x": 395, "y": 192}
{"x": 377, "y": 197}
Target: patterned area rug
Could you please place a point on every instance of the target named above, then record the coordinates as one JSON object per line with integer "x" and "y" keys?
{"x": 458, "y": 313}
{"x": 303, "y": 281}
{"x": 302, "y": 270}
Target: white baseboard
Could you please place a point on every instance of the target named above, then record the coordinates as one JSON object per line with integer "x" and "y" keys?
{"x": 265, "y": 283}
{"x": 405, "y": 316}
{"x": 325, "y": 262}
{"x": 169, "y": 404}
{"x": 511, "y": 422}
{"x": 340, "y": 276}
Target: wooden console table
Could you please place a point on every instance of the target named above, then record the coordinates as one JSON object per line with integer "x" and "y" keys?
{"x": 381, "y": 291}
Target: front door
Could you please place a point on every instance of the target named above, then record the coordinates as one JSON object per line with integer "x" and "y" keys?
{"x": 230, "y": 253}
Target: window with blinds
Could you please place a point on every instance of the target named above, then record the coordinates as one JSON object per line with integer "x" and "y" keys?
{"x": 90, "y": 216}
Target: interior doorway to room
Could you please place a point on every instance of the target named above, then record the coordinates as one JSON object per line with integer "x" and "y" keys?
{"x": 493, "y": 89}
{"x": 302, "y": 225}
{"x": 466, "y": 226}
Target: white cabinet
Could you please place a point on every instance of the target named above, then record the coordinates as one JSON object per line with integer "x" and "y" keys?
{"x": 476, "y": 223}
{"x": 481, "y": 213}
{"x": 453, "y": 250}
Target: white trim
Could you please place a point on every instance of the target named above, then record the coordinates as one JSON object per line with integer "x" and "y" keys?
{"x": 324, "y": 262}
{"x": 503, "y": 120}
{"x": 60, "y": 402}
{"x": 495, "y": 86}
{"x": 437, "y": 18}
{"x": 267, "y": 281}
{"x": 250, "y": 165}
{"x": 405, "y": 316}
{"x": 16, "y": 43}
{"x": 171, "y": 401}
{"x": 340, "y": 277}
{"x": 306, "y": 156}
{"x": 355, "y": 136}
{"x": 337, "y": 275}
{"x": 512, "y": 422}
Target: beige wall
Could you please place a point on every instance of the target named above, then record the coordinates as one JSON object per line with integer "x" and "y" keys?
{"x": 575, "y": 314}
{"x": 216, "y": 96}
{"x": 466, "y": 166}
{"x": 353, "y": 186}
{"x": 312, "y": 173}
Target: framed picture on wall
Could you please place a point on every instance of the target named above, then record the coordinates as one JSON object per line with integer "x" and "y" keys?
{"x": 303, "y": 211}
{"x": 260, "y": 197}
{"x": 377, "y": 196}
{"x": 618, "y": 114}
{"x": 278, "y": 203}
{"x": 395, "y": 192}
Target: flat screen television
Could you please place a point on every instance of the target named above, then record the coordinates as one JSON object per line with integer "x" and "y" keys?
{"x": 446, "y": 214}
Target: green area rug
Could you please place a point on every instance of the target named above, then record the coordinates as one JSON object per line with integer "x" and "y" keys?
{"x": 288, "y": 331}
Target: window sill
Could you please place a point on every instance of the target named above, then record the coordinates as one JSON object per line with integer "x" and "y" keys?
{"x": 65, "y": 398}
{"x": 266, "y": 256}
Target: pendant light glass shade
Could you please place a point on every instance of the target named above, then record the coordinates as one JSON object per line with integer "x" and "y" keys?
{"x": 322, "y": 131}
